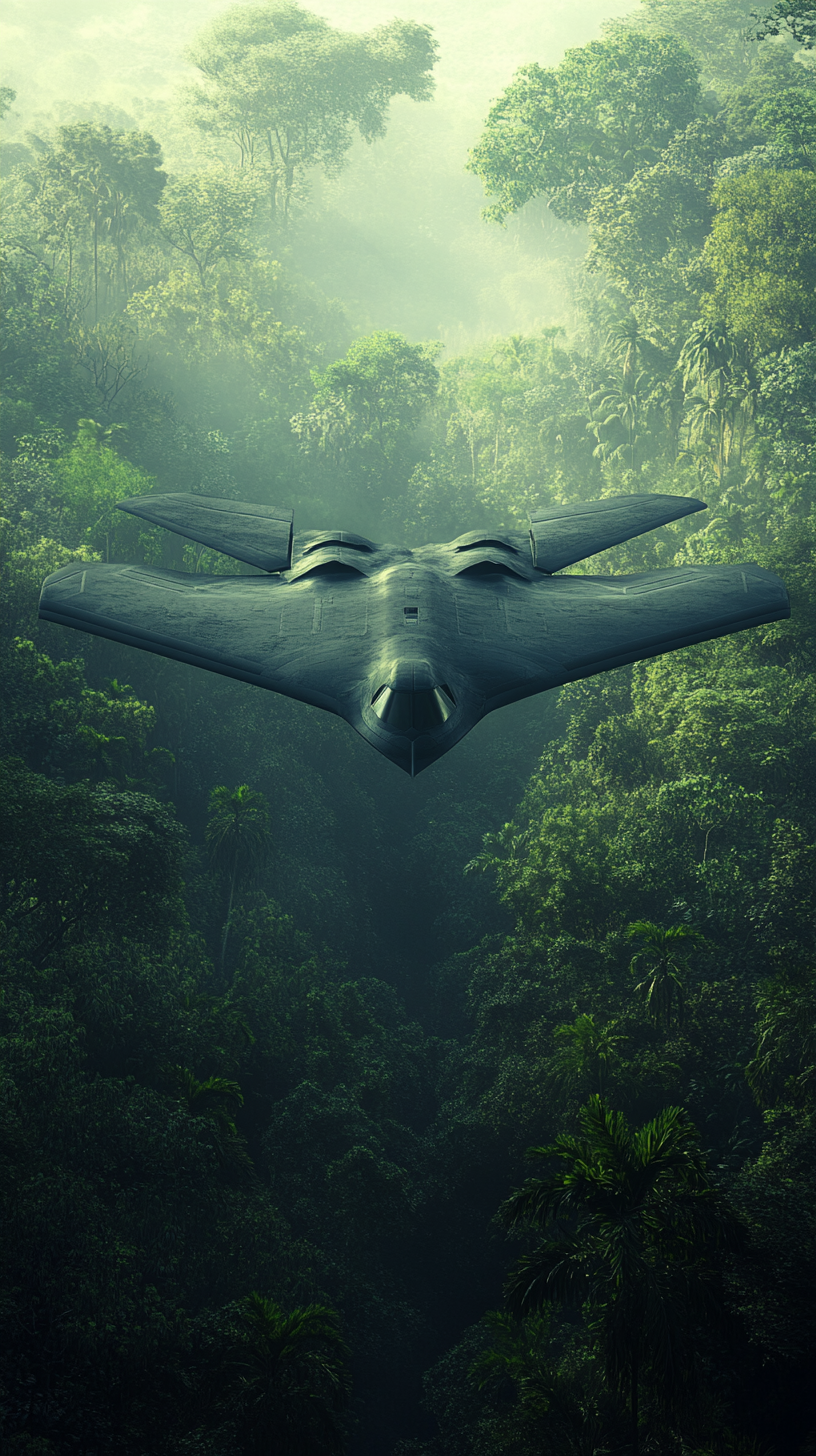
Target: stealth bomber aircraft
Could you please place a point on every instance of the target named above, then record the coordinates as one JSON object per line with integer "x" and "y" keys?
{"x": 411, "y": 647}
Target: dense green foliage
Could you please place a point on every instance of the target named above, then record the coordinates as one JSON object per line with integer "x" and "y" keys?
{"x": 286, "y": 89}
{"x": 608, "y": 108}
{"x": 276, "y": 1028}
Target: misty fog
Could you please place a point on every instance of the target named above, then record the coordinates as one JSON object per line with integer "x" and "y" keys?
{"x": 283, "y": 1030}
{"x": 398, "y": 238}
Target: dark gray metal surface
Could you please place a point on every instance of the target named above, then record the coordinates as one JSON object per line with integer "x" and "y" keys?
{"x": 259, "y": 535}
{"x": 412, "y": 648}
{"x": 562, "y": 535}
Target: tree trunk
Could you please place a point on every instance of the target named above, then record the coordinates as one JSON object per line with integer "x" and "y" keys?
{"x": 634, "y": 1407}
{"x": 96, "y": 266}
{"x": 229, "y": 912}
{"x": 273, "y": 179}
{"x": 289, "y": 182}
{"x": 123, "y": 275}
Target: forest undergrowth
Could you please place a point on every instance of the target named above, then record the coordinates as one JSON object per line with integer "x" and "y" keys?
{"x": 476, "y": 1115}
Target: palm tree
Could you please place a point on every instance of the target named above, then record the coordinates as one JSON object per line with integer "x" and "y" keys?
{"x": 589, "y": 1047}
{"x": 618, "y": 409}
{"x": 617, "y": 412}
{"x": 717, "y": 379}
{"x": 506, "y": 847}
{"x": 785, "y": 1058}
{"x": 629, "y": 343}
{"x": 708, "y": 353}
{"x": 629, "y": 1221}
{"x": 214, "y": 1100}
{"x": 237, "y": 837}
{"x": 293, "y": 1378}
{"x": 560, "y": 1408}
{"x": 660, "y": 955}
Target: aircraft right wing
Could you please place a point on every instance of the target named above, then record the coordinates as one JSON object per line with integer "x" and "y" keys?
{"x": 562, "y": 535}
{"x": 572, "y": 627}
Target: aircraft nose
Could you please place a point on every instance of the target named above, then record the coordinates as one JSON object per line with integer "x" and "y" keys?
{"x": 412, "y": 699}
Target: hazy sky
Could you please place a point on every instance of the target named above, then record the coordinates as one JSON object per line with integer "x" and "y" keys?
{"x": 83, "y": 49}
{"x": 398, "y": 239}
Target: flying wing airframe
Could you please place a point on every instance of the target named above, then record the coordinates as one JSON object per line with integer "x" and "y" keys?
{"x": 411, "y": 647}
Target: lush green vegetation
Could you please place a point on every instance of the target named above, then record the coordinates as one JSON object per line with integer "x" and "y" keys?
{"x": 277, "y": 1029}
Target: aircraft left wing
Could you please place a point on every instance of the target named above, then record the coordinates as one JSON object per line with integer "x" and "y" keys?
{"x": 258, "y": 535}
{"x": 254, "y": 628}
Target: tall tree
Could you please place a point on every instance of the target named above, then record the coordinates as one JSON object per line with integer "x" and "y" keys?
{"x": 784, "y": 1063}
{"x": 796, "y": 18}
{"x": 790, "y": 117}
{"x": 289, "y": 91}
{"x": 718, "y": 32}
{"x": 78, "y": 858}
{"x": 588, "y": 1046}
{"x": 645, "y": 235}
{"x": 608, "y": 109}
{"x": 207, "y": 216}
{"x": 215, "y": 1100}
{"x": 630, "y": 1221}
{"x": 105, "y": 179}
{"x": 762, "y": 255}
{"x": 237, "y": 837}
{"x": 661, "y": 958}
{"x": 720, "y": 393}
{"x": 366, "y": 409}
{"x": 294, "y": 1379}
